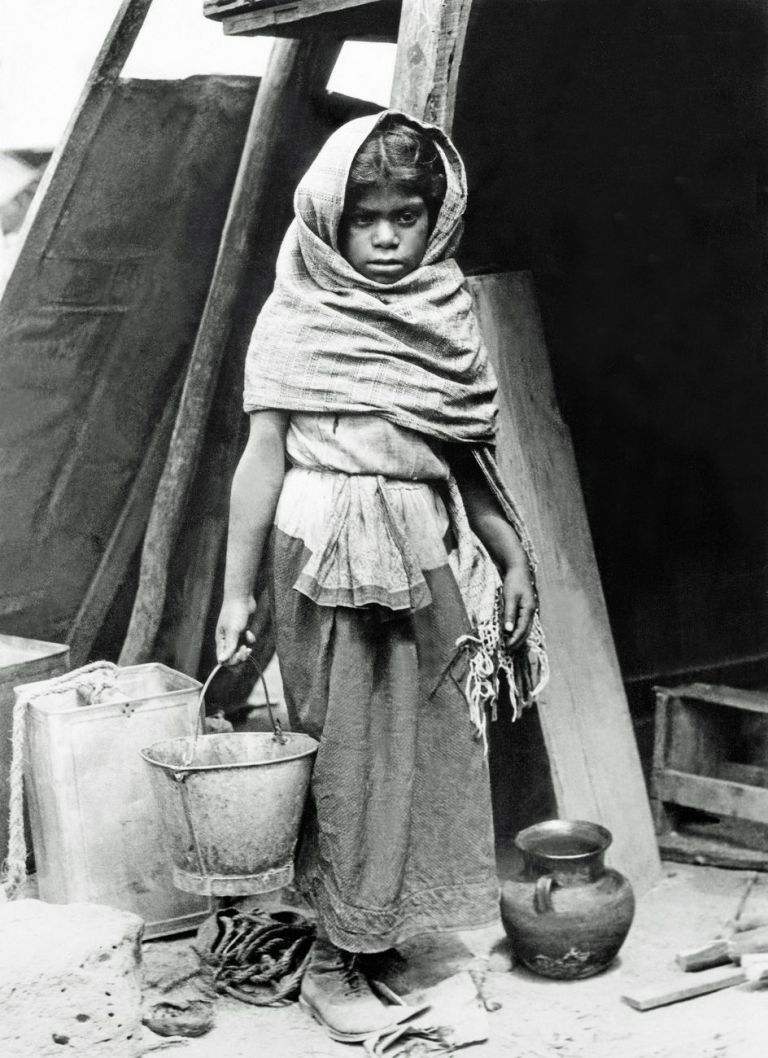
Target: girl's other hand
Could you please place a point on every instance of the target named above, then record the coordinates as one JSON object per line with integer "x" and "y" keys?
{"x": 232, "y": 626}
{"x": 519, "y": 605}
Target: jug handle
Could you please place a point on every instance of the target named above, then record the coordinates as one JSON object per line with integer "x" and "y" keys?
{"x": 542, "y": 896}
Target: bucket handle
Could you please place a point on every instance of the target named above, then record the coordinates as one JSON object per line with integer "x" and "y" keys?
{"x": 278, "y": 734}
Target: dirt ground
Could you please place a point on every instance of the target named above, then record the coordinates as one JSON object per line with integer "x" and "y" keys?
{"x": 539, "y": 1018}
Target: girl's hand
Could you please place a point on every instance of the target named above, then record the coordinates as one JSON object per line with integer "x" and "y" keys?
{"x": 519, "y": 605}
{"x": 233, "y": 623}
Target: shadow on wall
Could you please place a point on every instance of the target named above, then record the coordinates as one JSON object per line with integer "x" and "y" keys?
{"x": 621, "y": 158}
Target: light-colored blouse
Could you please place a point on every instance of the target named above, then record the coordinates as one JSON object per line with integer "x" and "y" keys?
{"x": 364, "y": 496}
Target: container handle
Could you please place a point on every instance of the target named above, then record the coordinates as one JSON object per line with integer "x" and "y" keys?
{"x": 542, "y": 896}
{"x": 277, "y": 731}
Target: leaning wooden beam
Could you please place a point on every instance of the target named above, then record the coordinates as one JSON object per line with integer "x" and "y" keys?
{"x": 584, "y": 715}
{"x": 292, "y": 64}
{"x": 63, "y": 168}
{"x": 202, "y": 537}
{"x": 124, "y": 540}
{"x": 430, "y": 44}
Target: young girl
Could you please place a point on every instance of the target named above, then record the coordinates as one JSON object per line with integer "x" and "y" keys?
{"x": 392, "y": 616}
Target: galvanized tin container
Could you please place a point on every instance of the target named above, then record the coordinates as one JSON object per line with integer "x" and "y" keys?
{"x": 95, "y": 829}
{"x": 21, "y": 661}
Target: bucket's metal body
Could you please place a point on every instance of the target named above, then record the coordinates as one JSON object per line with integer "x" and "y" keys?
{"x": 231, "y": 806}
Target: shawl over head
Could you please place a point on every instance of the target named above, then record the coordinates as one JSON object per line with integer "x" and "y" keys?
{"x": 330, "y": 340}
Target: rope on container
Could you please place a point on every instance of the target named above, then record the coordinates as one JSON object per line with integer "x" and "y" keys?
{"x": 89, "y": 682}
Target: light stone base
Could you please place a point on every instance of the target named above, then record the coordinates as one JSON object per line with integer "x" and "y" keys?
{"x": 69, "y": 981}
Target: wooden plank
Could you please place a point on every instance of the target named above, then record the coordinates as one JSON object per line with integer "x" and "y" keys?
{"x": 755, "y": 968}
{"x": 584, "y": 715}
{"x": 64, "y": 166}
{"x": 716, "y": 953}
{"x": 682, "y": 847}
{"x": 724, "y": 950}
{"x": 295, "y": 10}
{"x": 218, "y": 9}
{"x": 204, "y": 533}
{"x": 429, "y": 50}
{"x": 717, "y": 796}
{"x": 375, "y": 20}
{"x": 279, "y": 11}
{"x": 733, "y": 697}
{"x": 749, "y": 774}
{"x": 294, "y": 66}
{"x": 704, "y": 983}
{"x": 663, "y": 706}
{"x": 125, "y": 538}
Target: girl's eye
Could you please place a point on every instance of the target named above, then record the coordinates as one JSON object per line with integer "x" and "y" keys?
{"x": 360, "y": 220}
{"x": 409, "y": 217}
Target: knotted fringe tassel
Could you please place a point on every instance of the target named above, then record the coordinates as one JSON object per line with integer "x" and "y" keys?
{"x": 89, "y": 681}
{"x": 487, "y": 656}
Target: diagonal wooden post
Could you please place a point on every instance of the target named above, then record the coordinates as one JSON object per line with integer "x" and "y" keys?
{"x": 430, "y": 43}
{"x": 584, "y": 716}
{"x": 292, "y": 65}
{"x": 64, "y": 166}
{"x": 203, "y": 536}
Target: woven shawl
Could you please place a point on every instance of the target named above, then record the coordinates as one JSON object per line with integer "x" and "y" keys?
{"x": 330, "y": 340}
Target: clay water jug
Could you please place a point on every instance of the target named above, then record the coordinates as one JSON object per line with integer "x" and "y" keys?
{"x": 565, "y": 913}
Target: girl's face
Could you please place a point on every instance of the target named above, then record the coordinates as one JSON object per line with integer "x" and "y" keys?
{"x": 384, "y": 233}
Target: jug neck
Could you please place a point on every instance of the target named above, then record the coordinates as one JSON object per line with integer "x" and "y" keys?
{"x": 571, "y": 851}
{"x": 566, "y": 870}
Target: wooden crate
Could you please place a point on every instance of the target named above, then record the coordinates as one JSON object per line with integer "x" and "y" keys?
{"x": 711, "y": 753}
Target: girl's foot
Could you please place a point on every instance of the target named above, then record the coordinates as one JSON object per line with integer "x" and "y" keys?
{"x": 337, "y": 995}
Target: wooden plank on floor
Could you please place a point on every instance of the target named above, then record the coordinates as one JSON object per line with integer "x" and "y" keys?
{"x": 705, "y": 982}
{"x": 584, "y": 715}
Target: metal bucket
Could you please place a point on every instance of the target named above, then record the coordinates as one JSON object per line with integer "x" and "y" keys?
{"x": 231, "y": 805}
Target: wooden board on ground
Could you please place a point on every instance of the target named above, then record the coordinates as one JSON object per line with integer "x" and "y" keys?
{"x": 584, "y": 715}
{"x": 705, "y": 982}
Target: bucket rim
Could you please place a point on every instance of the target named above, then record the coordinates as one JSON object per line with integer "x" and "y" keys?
{"x": 176, "y": 769}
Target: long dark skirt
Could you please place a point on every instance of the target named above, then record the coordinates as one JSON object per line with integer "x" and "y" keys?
{"x": 398, "y": 836}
